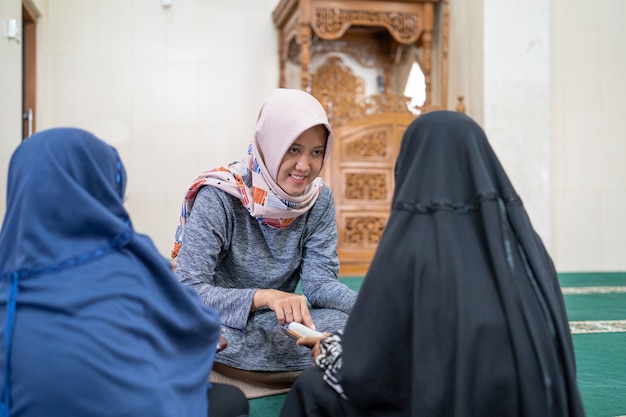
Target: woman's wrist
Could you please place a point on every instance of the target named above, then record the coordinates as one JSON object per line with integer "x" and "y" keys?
{"x": 259, "y": 300}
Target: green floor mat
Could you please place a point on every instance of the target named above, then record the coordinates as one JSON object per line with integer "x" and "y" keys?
{"x": 266, "y": 406}
{"x": 596, "y": 307}
{"x": 352, "y": 282}
{"x": 601, "y": 362}
{"x": 592, "y": 279}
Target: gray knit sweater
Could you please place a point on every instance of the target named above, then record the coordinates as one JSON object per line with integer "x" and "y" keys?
{"x": 227, "y": 255}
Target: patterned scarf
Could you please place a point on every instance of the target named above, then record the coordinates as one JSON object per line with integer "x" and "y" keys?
{"x": 283, "y": 117}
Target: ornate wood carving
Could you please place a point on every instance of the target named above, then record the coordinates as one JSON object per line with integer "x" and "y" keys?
{"x": 460, "y": 106}
{"x": 362, "y": 186}
{"x": 339, "y": 91}
{"x": 445, "y": 41}
{"x": 373, "y": 144}
{"x": 342, "y": 94}
{"x": 360, "y": 173}
{"x": 389, "y": 103}
{"x": 304, "y": 35}
{"x": 368, "y": 127}
{"x": 406, "y": 22}
{"x": 333, "y": 22}
{"x": 363, "y": 230}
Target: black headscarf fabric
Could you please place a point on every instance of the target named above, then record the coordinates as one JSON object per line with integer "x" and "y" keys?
{"x": 460, "y": 313}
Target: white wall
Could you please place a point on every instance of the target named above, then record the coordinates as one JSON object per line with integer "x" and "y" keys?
{"x": 546, "y": 82}
{"x": 499, "y": 61}
{"x": 177, "y": 91}
{"x": 588, "y": 109}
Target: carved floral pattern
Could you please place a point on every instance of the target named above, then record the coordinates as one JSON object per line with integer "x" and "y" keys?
{"x": 331, "y": 23}
{"x": 342, "y": 94}
{"x": 373, "y": 33}
{"x": 363, "y": 231}
{"x": 339, "y": 90}
{"x": 365, "y": 186}
{"x": 386, "y": 103}
{"x": 372, "y": 144}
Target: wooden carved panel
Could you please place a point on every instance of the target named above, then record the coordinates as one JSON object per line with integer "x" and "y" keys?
{"x": 359, "y": 234}
{"x": 368, "y": 128}
{"x": 370, "y": 144}
{"x": 366, "y": 186}
{"x": 309, "y": 27}
{"x": 362, "y": 231}
{"x": 339, "y": 91}
{"x": 404, "y": 25}
{"x": 360, "y": 173}
{"x": 342, "y": 94}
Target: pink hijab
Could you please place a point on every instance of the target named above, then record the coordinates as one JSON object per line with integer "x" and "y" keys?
{"x": 284, "y": 116}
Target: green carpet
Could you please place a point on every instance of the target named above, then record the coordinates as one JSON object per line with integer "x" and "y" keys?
{"x": 588, "y": 279}
{"x": 601, "y": 367}
{"x": 596, "y": 306}
{"x": 266, "y": 406}
{"x": 600, "y": 357}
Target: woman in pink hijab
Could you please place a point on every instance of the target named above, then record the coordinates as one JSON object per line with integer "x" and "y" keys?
{"x": 252, "y": 230}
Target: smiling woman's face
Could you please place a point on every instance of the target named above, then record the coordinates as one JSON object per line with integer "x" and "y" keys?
{"x": 303, "y": 161}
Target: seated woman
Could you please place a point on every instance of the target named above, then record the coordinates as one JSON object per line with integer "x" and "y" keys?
{"x": 252, "y": 230}
{"x": 460, "y": 313}
{"x": 94, "y": 321}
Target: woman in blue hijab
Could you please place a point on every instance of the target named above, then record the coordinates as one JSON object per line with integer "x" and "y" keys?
{"x": 94, "y": 321}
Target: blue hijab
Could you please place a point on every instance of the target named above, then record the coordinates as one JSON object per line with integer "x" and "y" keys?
{"x": 95, "y": 323}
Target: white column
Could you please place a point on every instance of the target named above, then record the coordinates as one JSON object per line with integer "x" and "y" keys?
{"x": 516, "y": 99}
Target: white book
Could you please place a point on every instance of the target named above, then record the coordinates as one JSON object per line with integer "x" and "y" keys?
{"x": 297, "y": 330}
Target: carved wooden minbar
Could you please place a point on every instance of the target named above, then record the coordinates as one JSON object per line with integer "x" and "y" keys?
{"x": 329, "y": 42}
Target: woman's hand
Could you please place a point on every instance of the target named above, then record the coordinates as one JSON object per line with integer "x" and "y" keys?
{"x": 287, "y": 306}
{"x": 314, "y": 343}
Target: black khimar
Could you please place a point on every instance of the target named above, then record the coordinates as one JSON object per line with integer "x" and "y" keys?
{"x": 460, "y": 313}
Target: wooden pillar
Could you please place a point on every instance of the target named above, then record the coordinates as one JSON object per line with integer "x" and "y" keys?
{"x": 282, "y": 59}
{"x": 304, "y": 35}
{"x": 445, "y": 45}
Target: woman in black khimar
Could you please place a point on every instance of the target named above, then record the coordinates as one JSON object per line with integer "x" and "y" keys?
{"x": 460, "y": 313}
